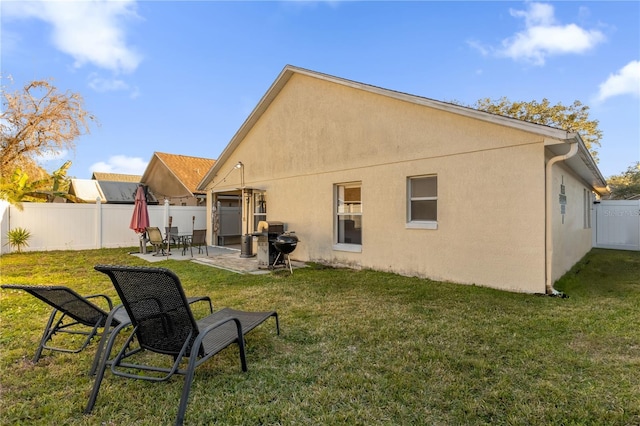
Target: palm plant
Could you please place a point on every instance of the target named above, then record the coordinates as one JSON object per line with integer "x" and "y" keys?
{"x": 20, "y": 187}
{"x": 18, "y": 238}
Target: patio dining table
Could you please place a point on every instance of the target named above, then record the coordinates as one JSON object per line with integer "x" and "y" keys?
{"x": 183, "y": 240}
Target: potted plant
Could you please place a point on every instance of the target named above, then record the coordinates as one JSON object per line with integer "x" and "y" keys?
{"x": 18, "y": 238}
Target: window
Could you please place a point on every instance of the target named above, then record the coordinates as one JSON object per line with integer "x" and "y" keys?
{"x": 348, "y": 215}
{"x": 422, "y": 209}
{"x": 259, "y": 208}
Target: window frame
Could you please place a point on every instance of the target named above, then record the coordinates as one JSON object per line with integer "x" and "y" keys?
{"x": 420, "y": 224}
{"x": 259, "y": 216}
{"x": 338, "y": 246}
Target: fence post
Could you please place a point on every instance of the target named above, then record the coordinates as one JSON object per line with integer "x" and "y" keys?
{"x": 166, "y": 212}
{"x": 5, "y": 226}
{"x": 98, "y": 223}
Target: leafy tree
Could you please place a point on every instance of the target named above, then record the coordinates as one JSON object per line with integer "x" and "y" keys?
{"x": 35, "y": 122}
{"x": 627, "y": 184}
{"x": 20, "y": 188}
{"x": 572, "y": 118}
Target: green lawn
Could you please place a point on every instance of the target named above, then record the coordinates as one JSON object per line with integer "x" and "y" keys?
{"x": 357, "y": 347}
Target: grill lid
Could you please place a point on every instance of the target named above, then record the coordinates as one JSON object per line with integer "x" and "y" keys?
{"x": 286, "y": 243}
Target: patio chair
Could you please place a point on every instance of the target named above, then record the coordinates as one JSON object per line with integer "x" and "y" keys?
{"x": 171, "y": 234}
{"x": 156, "y": 240}
{"x": 164, "y": 324}
{"x": 78, "y": 315}
{"x": 197, "y": 239}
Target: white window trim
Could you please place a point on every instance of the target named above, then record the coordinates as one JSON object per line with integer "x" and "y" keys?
{"x": 418, "y": 224}
{"x": 352, "y": 248}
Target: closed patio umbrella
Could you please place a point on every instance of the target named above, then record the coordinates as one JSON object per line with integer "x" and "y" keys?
{"x": 140, "y": 218}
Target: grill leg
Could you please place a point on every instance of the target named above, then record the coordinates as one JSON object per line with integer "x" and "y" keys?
{"x": 275, "y": 262}
{"x": 287, "y": 259}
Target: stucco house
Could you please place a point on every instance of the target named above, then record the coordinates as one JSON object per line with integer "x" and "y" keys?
{"x": 373, "y": 178}
{"x": 175, "y": 178}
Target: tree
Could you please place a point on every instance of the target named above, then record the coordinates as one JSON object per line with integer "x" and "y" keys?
{"x": 19, "y": 187}
{"x": 35, "y": 122}
{"x": 627, "y": 184}
{"x": 572, "y": 118}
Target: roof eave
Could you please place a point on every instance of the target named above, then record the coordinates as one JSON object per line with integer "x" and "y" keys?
{"x": 582, "y": 163}
{"x": 257, "y": 112}
{"x": 556, "y": 135}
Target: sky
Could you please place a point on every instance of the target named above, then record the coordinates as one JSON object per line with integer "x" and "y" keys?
{"x": 182, "y": 76}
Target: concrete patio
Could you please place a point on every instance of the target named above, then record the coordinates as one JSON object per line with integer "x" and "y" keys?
{"x": 227, "y": 258}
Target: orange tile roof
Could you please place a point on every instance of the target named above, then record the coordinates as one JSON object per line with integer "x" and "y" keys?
{"x": 116, "y": 177}
{"x": 190, "y": 170}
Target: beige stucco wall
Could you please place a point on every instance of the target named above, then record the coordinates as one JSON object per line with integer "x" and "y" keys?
{"x": 317, "y": 134}
{"x": 571, "y": 240}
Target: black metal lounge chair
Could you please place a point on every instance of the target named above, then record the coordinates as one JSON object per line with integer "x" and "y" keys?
{"x": 163, "y": 323}
{"x": 78, "y": 315}
{"x": 85, "y": 317}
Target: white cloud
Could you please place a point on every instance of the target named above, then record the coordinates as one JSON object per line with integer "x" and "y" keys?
{"x": 539, "y": 14}
{"x": 484, "y": 50}
{"x": 625, "y": 82}
{"x": 90, "y": 31}
{"x": 121, "y": 164}
{"x": 100, "y": 84}
{"x": 52, "y": 156}
{"x": 543, "y": 36}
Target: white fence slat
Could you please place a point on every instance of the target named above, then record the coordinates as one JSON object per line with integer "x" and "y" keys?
{"x": 617, "y": 224}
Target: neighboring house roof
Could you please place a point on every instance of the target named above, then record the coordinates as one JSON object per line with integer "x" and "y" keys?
{"x": 86, "y": 190}
{"x": 123, "y": 192}
{"x": 109, "y": 192}
{"x": 115, "y": 177}
{"x": 174, "y": 175}
{"x": 556, "y": 140}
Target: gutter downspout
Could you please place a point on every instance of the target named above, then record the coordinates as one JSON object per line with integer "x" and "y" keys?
{"x": 548, "y": 204}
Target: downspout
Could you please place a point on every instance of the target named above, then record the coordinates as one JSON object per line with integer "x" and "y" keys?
{"x": 548, "y": 206}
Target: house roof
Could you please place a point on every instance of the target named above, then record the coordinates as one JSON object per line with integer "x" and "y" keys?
{"x": 556, "y": 140}
{"x": 87, "y": 190}
{"x": 115, "y": 177}
{"x": 111, "y": 192}
{"x": 174, "y": 175}
{"x": 122, "y": 192}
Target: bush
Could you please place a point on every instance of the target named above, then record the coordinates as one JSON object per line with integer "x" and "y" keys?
{"x": 18, "y": 238}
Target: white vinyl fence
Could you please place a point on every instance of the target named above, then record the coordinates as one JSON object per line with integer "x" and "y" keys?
{"x": 617, "y": 224}
{"x": 70, "y": 226}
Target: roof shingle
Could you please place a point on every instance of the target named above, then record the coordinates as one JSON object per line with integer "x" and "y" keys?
{"x": 190, "y": 170}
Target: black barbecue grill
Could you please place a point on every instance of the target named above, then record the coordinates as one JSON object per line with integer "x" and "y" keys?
{"x": 274, "y": 245}
{"x": 285, "y": 244}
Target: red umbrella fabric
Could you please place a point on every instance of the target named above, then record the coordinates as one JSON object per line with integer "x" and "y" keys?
{"x": 140, "y": 218}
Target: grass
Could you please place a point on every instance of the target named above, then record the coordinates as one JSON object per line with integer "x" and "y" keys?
{"x": 357, "y": 347}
